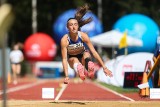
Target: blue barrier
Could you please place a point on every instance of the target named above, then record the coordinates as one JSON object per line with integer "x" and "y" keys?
{"x": 150, "y": 81}
{"x": 47, "y": 72}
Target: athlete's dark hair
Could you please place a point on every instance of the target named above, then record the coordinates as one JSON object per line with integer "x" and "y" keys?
{"x": 81, "y": 11}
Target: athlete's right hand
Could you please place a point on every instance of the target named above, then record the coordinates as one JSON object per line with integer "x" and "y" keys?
{"x": 108, "y": 72}
{"x": 66, "y": 80}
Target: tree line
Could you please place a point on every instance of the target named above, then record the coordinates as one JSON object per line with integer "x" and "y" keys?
{"x": 49, "y": 10}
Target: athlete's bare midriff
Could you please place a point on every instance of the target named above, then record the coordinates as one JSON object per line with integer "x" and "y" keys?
{"x": 75, "y": 49}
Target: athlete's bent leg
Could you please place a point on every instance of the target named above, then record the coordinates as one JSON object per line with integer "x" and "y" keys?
{"x": 91, "y": 69}
{"x": 77, "y": 66}
{"x": 89, "y": 65}
{"x": 80, "y": 69}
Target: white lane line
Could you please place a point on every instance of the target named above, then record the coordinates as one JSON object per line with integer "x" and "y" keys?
{"x": 61, "y": 92}
{"x": 114, "y": 92}
{"x": 22, "y": 87}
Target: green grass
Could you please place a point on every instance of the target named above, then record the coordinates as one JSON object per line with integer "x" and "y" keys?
{"x": 120, "y": 89}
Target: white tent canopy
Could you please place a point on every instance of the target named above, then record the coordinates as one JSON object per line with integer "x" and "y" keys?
{"x": 112, "y": 39}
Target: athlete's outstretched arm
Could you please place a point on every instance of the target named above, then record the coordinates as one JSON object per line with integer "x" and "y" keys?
{"x": 95, "y": 54}
{"x": 64, "y": 56}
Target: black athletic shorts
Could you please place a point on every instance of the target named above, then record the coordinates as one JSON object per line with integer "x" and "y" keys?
{"x": 79, "y": 56}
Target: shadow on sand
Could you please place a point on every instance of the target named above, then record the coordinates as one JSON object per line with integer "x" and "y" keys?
{"x": 69, "y": 102}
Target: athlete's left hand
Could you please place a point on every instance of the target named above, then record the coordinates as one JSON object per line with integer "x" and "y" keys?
{"x": 66, "y": 80}
{"x": 108, "y": 72}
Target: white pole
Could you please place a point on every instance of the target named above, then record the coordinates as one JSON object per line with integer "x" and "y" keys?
{"x": 34, "y": 16}
{"x": 100, "y": 10}
{"x": 126, "y": 51}
{"x": 99, "y": 49}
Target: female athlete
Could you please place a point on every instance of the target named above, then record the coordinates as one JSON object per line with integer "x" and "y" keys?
{"x": 74, "y": 51}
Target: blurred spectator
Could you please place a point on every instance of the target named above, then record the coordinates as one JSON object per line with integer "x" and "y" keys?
{"x": 16, "y": 57}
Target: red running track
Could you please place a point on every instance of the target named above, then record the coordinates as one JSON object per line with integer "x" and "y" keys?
{"x": 86, "y": 91}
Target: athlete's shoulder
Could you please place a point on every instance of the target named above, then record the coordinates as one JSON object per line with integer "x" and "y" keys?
{"x": 82, "y": 33}
{"x": 64, "y": 39}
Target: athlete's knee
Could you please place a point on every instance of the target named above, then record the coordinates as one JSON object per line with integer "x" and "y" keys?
{"x": 72, "y": 61}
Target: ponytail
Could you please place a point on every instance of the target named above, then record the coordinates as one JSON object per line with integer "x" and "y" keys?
{"x": 81, "y": 11}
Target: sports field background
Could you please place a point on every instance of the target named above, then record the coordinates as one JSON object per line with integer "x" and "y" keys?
{"x": 28, "y": 93}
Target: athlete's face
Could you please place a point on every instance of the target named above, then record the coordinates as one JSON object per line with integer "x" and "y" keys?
{"x": 72, "y": 26}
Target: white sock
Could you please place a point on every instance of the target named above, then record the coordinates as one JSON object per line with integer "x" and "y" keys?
{"x": 75, "y": 67}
